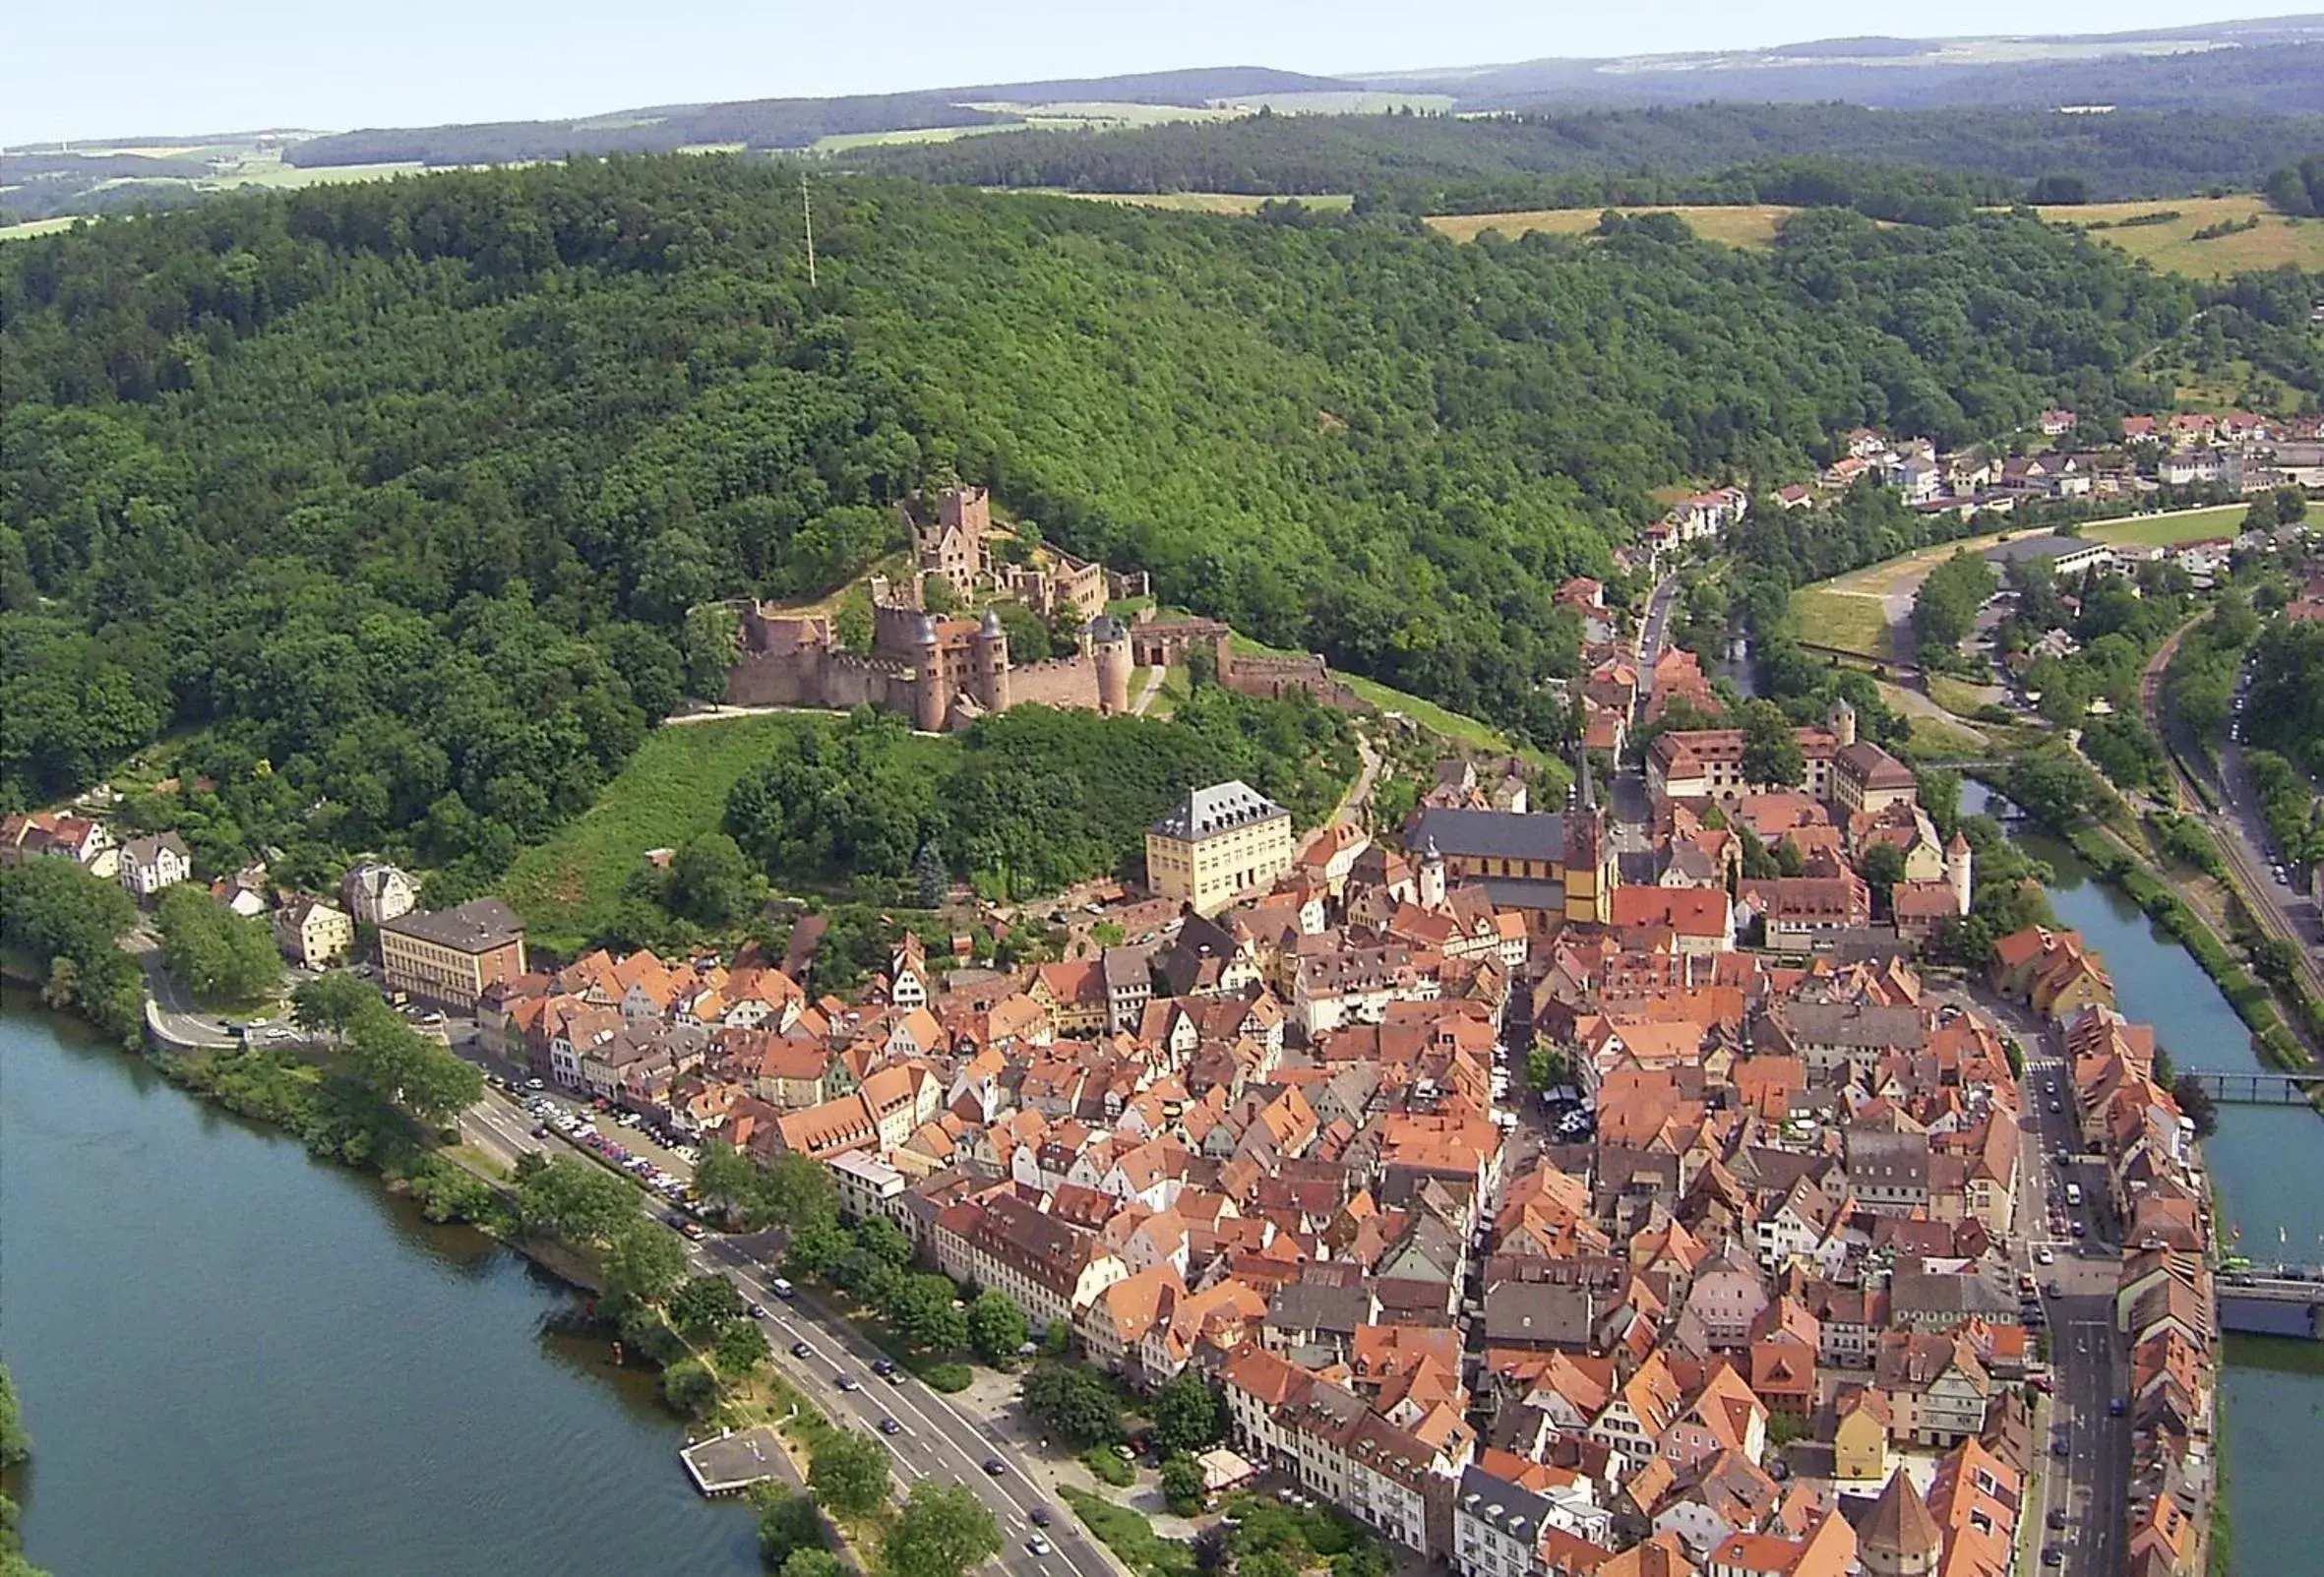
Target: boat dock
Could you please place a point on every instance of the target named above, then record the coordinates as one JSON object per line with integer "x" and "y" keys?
{"x": 730, "y": 1463}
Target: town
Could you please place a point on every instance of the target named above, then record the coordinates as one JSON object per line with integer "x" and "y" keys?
{"x": 1538, "y": 1185}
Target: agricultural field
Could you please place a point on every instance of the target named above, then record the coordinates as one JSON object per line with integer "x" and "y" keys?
{"x": 1194, "y": 202}
{"x": 32, "y": 227}
{"x": 1753, "y": 225}
{"x": 2171, "y": 245}
{"x": 2169, "y": 531}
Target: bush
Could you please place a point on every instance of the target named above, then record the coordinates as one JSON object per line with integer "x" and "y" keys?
{"x": 1129, "y": 1535}
{"x": 1108, "y": 1465}
{"x": 689, "y": 1386}
{"x": 948, "y": 1377}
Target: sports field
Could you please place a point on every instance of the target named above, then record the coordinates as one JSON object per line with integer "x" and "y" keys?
{"x": 2170, "y": 530}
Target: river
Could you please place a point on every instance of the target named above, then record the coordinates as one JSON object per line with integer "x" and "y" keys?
{"x": 2267, "y": 1165}
{"x": 233, "y": 1358}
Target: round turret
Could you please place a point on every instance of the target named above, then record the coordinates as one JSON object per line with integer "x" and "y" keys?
{"x": 992, "y": 664}
{"x": 989, "y": 626}
{"x": 1843, "y": 721}
{"x": 1109, "y": 643}
{"x": 926, "y": 636}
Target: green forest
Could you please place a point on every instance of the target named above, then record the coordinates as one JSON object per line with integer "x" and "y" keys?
{"x": 394, "y": 498}
{"x": 1713, "y": 153}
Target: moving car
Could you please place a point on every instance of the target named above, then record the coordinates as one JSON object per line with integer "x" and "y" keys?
{"x": 995, "y": 1467}
{"x": 890, "y": 1426}
{"x": 782, "y": 1287}
{"x": 1041, "y": 1516}
{"x": 1037, "y": 1544}
{"x": 757, "y": 1311}
{"x": 802, "y": 1350}
{"x": 846, "y": 1382}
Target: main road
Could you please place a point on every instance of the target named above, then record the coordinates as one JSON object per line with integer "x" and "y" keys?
{"x": 2090, "y": 1484}
{"x": 935, "y": 1440}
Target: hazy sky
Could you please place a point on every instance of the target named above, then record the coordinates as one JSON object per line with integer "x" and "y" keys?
{"x": 149, "y": 67}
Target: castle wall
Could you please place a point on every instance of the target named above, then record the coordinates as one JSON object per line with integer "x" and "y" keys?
{"x": 1057, "y": 681}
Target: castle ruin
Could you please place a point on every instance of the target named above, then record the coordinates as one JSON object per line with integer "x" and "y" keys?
{"x": 944, "y": 673}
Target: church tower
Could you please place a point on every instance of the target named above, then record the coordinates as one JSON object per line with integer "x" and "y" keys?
{"x": 1432, "y": 875}
{"x": 1589, "y": 857}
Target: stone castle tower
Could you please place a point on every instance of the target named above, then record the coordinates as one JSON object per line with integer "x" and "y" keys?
{"x": 1842, "y": 720}
{"x": 1957, "y": 872}
{"x": 1110, "y": 642}
{"x": 990, "y": 664}
{"x": 1899, "y": 1539}
{"x": 930, "y": 703}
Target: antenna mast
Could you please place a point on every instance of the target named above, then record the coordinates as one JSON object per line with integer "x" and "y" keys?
{"x": 807, "y": 208}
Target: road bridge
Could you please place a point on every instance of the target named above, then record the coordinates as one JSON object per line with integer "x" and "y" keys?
{"x": 2273, "y": 1300}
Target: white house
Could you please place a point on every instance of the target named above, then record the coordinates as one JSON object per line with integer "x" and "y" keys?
{"x": 148, "y": 865}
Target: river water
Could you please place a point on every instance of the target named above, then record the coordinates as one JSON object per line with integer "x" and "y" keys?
{"x": 236, "y": 1360}
{"x": 2267, "y": 1165}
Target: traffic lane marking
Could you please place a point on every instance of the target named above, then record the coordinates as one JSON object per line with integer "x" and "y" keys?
{"x": 850, "y": 1340}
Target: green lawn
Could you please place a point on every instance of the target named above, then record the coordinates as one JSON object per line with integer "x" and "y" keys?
{"x": 2170, "y": 530}
{"x": 1959, "y": 697}
{"x": 1458, "y": 727}
{"x": 1846, "y": 620}
{"x": 672, "y": 789}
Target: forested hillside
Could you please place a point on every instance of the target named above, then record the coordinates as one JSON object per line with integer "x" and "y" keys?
{"x": 1694, "y": 154}
{"x": 404, "y": 489}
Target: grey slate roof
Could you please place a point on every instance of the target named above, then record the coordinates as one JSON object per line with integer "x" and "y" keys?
{"x": 1220, "y": 808}
{"x": 1489, "y": 834}
{"x": 473, "y": 926}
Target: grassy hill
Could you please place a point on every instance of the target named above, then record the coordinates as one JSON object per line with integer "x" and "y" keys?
{"x": 2272, "y": 242}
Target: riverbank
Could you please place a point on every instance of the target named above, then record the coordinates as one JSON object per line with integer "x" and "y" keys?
{"x": 280, "y": 1364}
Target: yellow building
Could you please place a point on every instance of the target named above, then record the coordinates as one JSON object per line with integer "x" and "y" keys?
{"x": 450, "y": 957}
{"x": 1859, "y": 1436}
{"x": 1216, "y": 843}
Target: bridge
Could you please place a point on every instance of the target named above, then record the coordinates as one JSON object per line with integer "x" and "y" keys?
{"x": 2273, "y": 1300}
{"x": 1884, "y": 667}
{"x": 2257, "y": 1088}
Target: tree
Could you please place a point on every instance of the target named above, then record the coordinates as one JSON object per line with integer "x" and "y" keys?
{"x": 996, "y": 1326}
{"x": 213, "y": 953}
{"x": 1771, "y": 751}
{"x": 724, "y": 1176}
{"x": 14, "y": 1443}
{"x": 578, "y": 1202}
{"x": 740, "y": 1348}
{"x": 884, "y": 1241}
{"x": 1186, "y": 1413}
{"x": 1181, "y": 1486}
{"x": 689, "y": 1386}
{"x": 330, "y": 1001}
{"x": 788, "y": 1523}
{"x": 2195, "y": 1102}
{"x": 817, "y": 1248}
{"x": 1545, "y": 1067}
{"x": 409, "y": 1070}
{"x": 813, "y": 1563}
{"x": 1074, "y": 1403}
{"x": 922, "y": 1309}
{"x": 796, "y": 1191}
{"x": 848, "y": 1472}
{"x": 706, "y": 1305}
{"x": 645, "y": 1261}
{"x": 711, "y": 882}
{"x": 942, "y": 1531}
{"x": 931, "y": 882}
{"x": 1882, "y": 868}
{"x": 2052, "y": 786}
{"x": 708, "y": 645}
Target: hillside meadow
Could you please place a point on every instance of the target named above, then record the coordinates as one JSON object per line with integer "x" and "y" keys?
{"x": 1743, "y": 225}
{"x": 2171, "y": 245}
